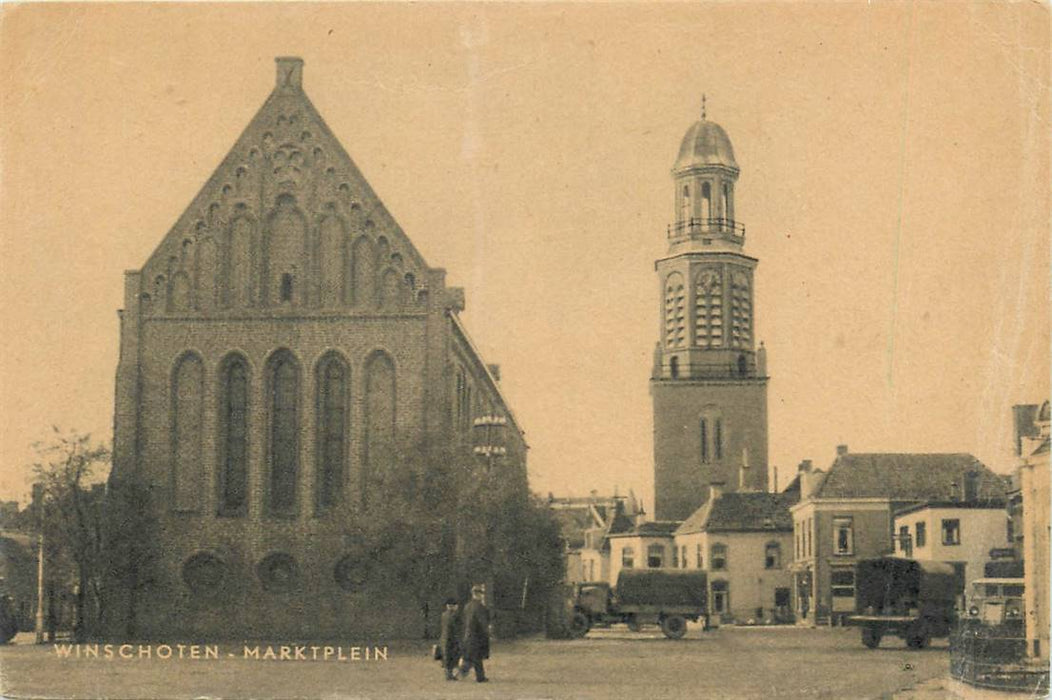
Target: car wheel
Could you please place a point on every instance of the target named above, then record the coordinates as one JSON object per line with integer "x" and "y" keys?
{"x": 633, "y": 623}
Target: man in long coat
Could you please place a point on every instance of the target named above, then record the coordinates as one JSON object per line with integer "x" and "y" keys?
{"x": 449, "y": 639}
{"x": 476, "y": 634}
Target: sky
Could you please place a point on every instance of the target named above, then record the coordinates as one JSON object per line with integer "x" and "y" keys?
{"x": 894, "y": 186}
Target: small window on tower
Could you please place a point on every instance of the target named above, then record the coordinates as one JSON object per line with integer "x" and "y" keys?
{"x": 673, "y": 367}
{"x": 286, "y": 287}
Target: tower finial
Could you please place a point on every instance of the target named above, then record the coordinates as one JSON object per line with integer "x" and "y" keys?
{"x": 703, "y": 106}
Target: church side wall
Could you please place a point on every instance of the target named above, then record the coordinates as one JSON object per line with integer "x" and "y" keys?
{"x": 316, "y": 606}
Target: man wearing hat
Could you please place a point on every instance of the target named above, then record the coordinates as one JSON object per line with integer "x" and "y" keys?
{"x": 476, "y": 634}
{"x": 449, "y": 639}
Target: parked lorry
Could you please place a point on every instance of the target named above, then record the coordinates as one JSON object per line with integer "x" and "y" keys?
{"x": 646, "y": 596}
{"x": 915, "y": 600}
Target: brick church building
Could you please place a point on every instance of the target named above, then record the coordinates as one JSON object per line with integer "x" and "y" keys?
{"x": 709, "y": 380}
{"x": 283, "y": 351}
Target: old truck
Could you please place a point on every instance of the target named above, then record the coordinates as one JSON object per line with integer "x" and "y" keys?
{"x": 915, "y": 600}
{"x": 647, "y": 596}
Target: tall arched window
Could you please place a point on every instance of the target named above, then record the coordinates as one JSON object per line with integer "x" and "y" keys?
{"x": 283, "y": 457}
{"x": 728, "y": 202}
{"x": 685, "y": 209}
{"x": 703, "y": 433}
{"x": 378, "y": 451}
{"x": 741, "y": 311}
{"x": 710, "y": 436}
{"x": 187, "y": 415}
{"x": 717, "y": 440}
{"x": 333, "y": 378}
{"x": 233, "y": 437}
{"x": 706, "y": 203}
{"x": 708, "y": 308}
{"x": 675, "y": 311}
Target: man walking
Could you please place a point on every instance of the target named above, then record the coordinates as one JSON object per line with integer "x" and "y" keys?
{"x": 449, "y": 640}
{"x": 476, "y": 634}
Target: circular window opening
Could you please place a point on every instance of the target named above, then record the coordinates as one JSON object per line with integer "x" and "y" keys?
{"x": 350, "y": 573}
{"x": 277, "y": 572}
{"x": 204, "y": 572}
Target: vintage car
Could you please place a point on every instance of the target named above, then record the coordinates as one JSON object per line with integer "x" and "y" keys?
{"x": 915, "y": 600}
{"x": 988, "y": 647}
{"x": 647, "y": 596}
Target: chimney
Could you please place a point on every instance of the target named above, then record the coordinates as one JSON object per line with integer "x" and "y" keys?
{"x": 715, "y": 490}
{"x": 1023, "y": 423}
{"x": 290, "y": 72}
{"x": 805, "y": 467}
{"x": 841, "y": 450}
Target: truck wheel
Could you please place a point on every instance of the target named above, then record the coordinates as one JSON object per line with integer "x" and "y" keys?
{"x": 674, "y": 626}
{"x": 579, "y": 624}
{"x": 633, "y": 623}
{"x": 916, "y": 640}
{"x": 871, "y": 637}
{"x": 917, "y": 636}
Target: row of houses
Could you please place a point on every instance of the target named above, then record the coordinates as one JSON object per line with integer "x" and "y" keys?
{"x": 776, "y": 557}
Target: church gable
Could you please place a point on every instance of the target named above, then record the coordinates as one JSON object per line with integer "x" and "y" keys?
{"x": 287, "y": 219}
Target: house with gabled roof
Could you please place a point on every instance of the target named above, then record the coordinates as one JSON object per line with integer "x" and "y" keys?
{"x": 742, "y": 539}
{"x": 644, "y": 545}
{"x": 586, "y": 524}
{"x": 847, "y": 514}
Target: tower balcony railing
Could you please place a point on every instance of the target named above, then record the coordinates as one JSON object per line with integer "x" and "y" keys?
{"x": 691, "y": 228}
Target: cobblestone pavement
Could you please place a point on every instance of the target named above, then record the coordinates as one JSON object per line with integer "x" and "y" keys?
{"x": 725, "y": 663}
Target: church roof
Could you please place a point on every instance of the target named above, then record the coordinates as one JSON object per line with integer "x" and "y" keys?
{"x": 907, "y": 477}
{"x": 705, "y": 143}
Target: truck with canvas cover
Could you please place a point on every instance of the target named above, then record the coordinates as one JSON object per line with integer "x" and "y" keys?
{"x": 647, "y": 596}
{"x": 915, "y": 600}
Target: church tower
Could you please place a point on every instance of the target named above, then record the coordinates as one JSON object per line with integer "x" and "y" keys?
{"x": 709, "y": 380}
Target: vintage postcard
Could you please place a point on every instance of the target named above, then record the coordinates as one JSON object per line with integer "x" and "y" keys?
{"x": 561, "y": 350}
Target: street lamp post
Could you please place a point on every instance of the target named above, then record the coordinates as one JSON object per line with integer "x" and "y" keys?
{"x": 489, "y": 447}
{"x": 38, "y": 501}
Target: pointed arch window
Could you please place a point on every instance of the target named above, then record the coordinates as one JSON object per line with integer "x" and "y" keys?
{"x": 283, "y": 452}
{"x": 675, "y": 311}
{"x": 708, "y": 309}
{"x": 233, "y": 437}
{"x": 378, "y": 451}
{"x": 187, "y": 418}
{"x": 741, "y": 311}
{"x": 333, "y": 378}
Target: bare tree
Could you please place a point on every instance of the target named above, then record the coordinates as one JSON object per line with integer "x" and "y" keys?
{"x": 71, "y": 518}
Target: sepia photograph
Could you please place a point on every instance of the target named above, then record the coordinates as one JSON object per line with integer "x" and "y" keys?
{"x": 525, "y": 350}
